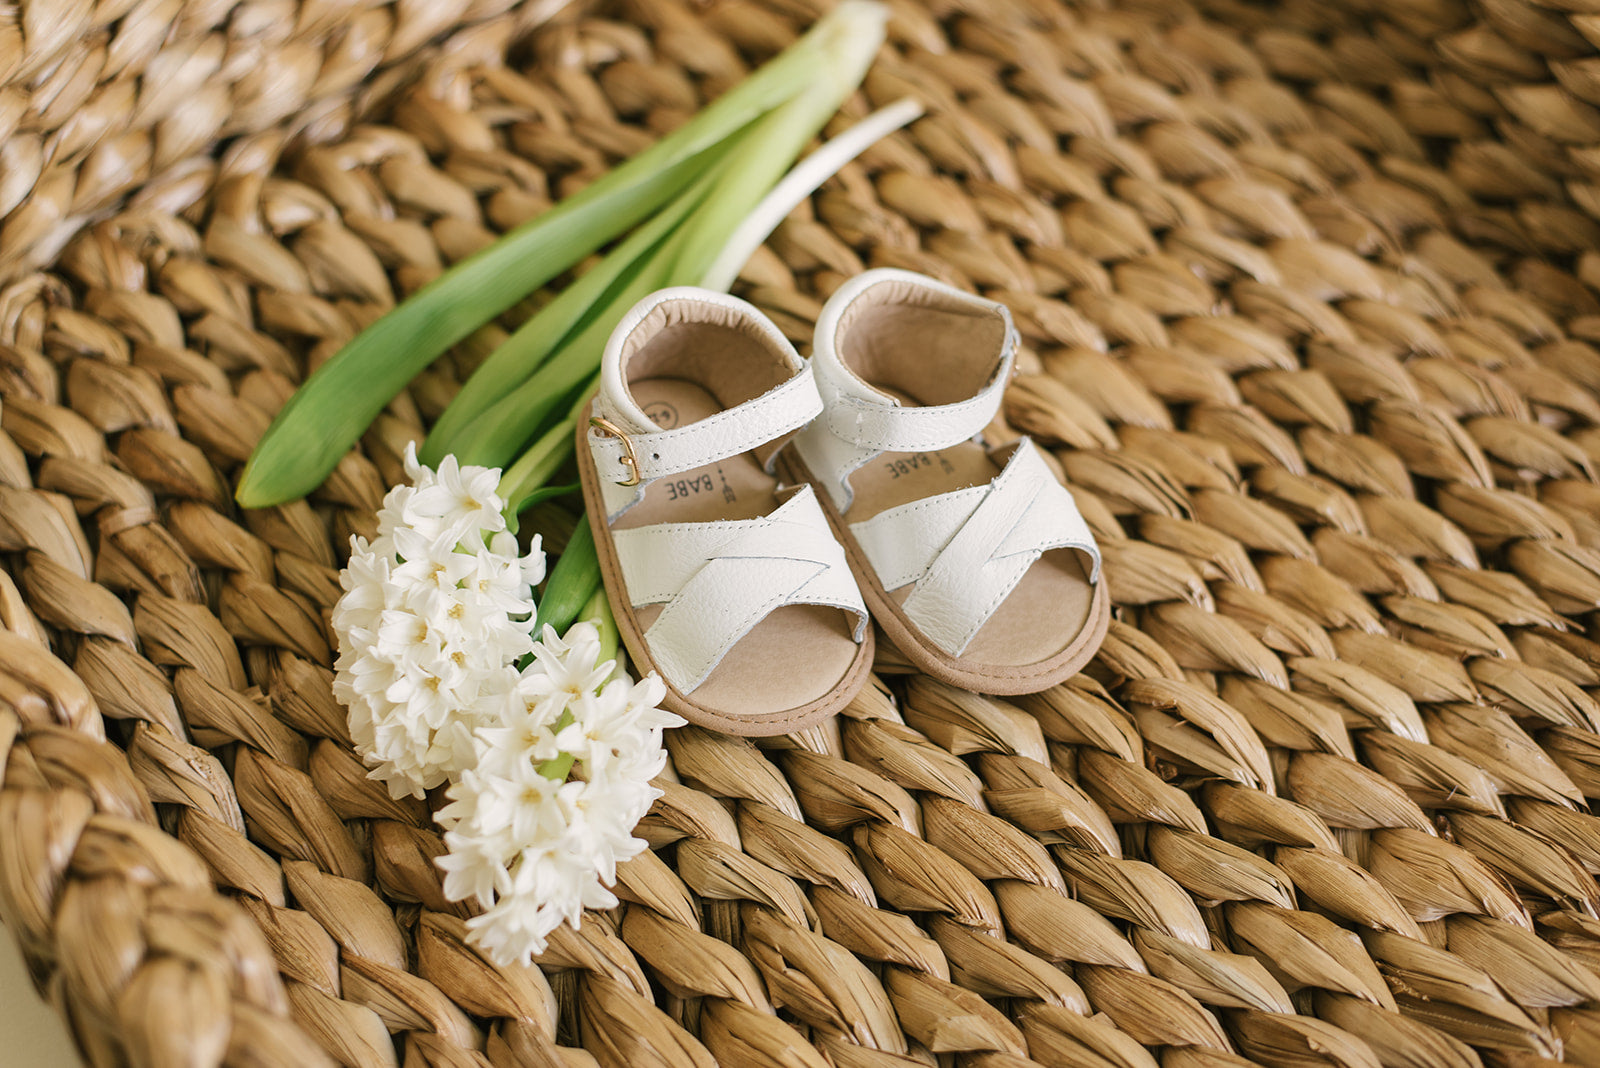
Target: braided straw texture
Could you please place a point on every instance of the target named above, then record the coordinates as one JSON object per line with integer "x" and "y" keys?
{"x": 1310, "y": 298}
{"x": 100, "y": 99}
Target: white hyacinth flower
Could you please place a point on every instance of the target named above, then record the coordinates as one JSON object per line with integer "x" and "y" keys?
{"x": 435, "y": 614}
{"x": 533, "y": 846}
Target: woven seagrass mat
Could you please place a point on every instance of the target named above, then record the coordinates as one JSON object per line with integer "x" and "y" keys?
{"x": 1310, "y": 293}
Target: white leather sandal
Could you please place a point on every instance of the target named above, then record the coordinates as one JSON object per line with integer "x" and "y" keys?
{"x": 729, "y": 585}
{"x": 975, "y": 562}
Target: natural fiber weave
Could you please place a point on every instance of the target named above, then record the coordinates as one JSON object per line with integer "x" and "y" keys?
{"x": 99, "y": 100}
{"x": 1310, "y": 293}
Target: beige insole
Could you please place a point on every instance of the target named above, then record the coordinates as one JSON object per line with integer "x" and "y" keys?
{"x": 1046, "y": 610}
{"x": 796, "y": 654}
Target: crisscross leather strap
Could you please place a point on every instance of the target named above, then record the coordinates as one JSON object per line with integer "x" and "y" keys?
{"x": 718, "y": 580}
{"x": 967, "y": 550}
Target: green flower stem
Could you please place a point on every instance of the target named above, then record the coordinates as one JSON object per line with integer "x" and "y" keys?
{"x": 536, "y": 467}
{"x": 598, "y": 612}
{"x": 572, "y": 582}
{"x": 558, "y": 768}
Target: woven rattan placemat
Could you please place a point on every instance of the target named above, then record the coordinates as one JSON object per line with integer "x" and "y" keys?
{"x": 1308, "y": 291}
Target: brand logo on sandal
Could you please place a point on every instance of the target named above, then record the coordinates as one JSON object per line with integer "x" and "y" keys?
{"x": 662, "y": 414}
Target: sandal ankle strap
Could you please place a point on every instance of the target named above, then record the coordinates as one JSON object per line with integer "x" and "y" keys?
{"x": 632, "y": 459}
{"x": 630, "y": 451}
{"x": 888, "y": 426}
{"x": 860, "y": 421}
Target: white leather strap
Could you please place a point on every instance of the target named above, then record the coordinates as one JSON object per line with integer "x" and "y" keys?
{"x": 967, "y": 550}
{"x": 718, "y": 580}
{"x": 630, "y": 450}
{"x": 891, "y": 427}
{"x": 860, "y": 421}
{"x": 649, "y": 456}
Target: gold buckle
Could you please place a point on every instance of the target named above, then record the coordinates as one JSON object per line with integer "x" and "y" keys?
{"x": 628, "y": 459}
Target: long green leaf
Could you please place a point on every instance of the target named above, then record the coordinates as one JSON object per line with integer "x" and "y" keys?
{"x": 336, "y": 404}
{"x": 533, "y": 342}
{"x": 672, "y": 250}
{"x": 572, "y": 581}
{"x": 598, "y": 612}
{"x": 334, "y": 407}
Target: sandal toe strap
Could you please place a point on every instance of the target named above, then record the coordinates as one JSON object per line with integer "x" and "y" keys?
{"x": 718, "y": 580}
{"x": 965, "y": 551}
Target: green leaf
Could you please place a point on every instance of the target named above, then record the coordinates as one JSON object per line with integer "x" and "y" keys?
{"x": 334, "y": 407}
{"x": 465, "y": 430}
{"x": 572, "y": 582}
{"x": 545, "y": 493}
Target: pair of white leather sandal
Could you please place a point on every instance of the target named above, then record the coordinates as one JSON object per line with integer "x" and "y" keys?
{"x": 754, "y": 511}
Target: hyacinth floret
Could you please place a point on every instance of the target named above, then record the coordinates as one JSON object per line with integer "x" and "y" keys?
{"x": 536, "y": 828}
{"x": 435, "y": 614}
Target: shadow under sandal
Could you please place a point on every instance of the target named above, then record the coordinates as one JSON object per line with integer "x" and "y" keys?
{"x": 732, "y": 587}
{"x": 974, "y": 561}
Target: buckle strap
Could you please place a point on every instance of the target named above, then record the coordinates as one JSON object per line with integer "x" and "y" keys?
{"x": 629, "y": 459}
{"x": 879, "y": 424}
{"x": 888, "y": 427}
